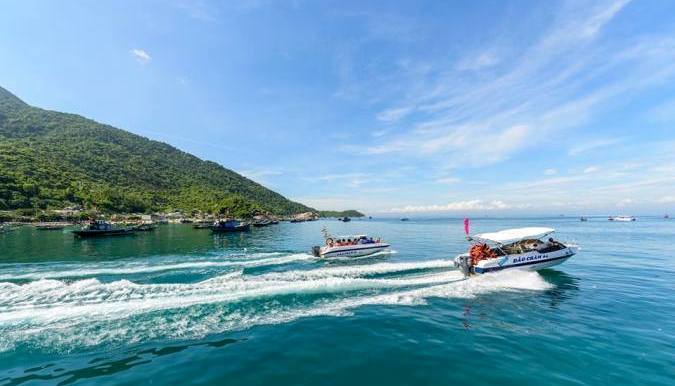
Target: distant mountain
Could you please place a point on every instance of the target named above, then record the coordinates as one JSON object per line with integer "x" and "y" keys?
{"x": 50, "y": 159}
{"x": 344, "y": 213}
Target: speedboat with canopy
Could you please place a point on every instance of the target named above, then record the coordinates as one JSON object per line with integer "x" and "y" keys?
{"x": 348, "y": 246}
{"x": 531, "y": 248}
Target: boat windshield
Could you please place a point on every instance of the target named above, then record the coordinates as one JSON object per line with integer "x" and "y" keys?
{"x": 529, "y": 245}
{"x": 352, "y": 240}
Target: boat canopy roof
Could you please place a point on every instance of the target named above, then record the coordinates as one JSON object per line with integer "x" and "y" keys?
{"x": 508, "y": 236}
{"x": 351, "y": 237}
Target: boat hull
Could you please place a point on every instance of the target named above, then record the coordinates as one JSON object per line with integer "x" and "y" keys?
{"x": 104, "y": 233}
{"x": 530, "y": 261}
{"x": 242, "y": 228}
{"x": 353, "y": 250}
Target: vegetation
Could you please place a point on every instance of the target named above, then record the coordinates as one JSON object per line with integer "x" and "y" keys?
{"x": 344, "y": 213}
{"x": 51, "y": 160}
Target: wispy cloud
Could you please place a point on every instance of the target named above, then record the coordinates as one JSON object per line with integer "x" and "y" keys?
{"x": 394, "y": 114}
{"x": 353, "y": 180}
{"x": 259, "y": 175}
{"x": 141, "y": 55}
{"x": 469, "y": 205}
{"x": 550, "y": 172}
{"x": 624, "y": 202}
{"x": 591, "y": 169}
{"x": 558, "y": 84}
{"x": 594, "y": 145}
{"x": 478, "y": 62}
{"x": 667, "y": 199}
{"x": 448, "y": 180}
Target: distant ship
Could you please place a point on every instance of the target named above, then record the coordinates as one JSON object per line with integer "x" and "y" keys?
{"x": 621, "y": 218}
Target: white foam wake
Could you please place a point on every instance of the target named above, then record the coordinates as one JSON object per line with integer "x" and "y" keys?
{"x": 49, "y": 313}
{"x": 131, "y": 268}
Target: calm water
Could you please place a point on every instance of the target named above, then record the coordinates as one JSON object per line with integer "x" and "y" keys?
{"x": 182, "y": 306}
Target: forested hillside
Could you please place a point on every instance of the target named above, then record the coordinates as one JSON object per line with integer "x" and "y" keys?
{"x": 51, "y": 159}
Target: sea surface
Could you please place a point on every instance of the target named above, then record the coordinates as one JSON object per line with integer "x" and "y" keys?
{"x": 179, "y": 306}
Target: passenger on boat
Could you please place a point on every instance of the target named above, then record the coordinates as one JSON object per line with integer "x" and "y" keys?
{"x": 480, "y": 252}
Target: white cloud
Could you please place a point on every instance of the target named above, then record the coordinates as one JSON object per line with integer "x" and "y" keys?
{"x": 667, "y": 199}
{"x": 665, "y": 112}
{"x": 260, "y": 173}
{"x": 333, "y": 177}
{"x": 141, "y": 55}
{"x": 550, "y": 172}
{"x": 448, "y": 180}
{"x": 453, "y": 206}
{"x": 594, "y": 145}
{"x": 393, "y": 115}
{"x": 624, "y": 202}
{"x": 557, "y": 83}
{"x": 477, "y": 62}
{"x": 591, "y": 169}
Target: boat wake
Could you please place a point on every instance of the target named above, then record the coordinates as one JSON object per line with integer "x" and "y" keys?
{"x": 65, "y": 308}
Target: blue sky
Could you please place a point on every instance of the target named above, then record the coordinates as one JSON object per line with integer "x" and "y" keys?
{"x": 391, "y": 107}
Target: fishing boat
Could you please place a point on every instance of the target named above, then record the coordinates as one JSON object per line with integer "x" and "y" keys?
{"x": 49, "y": 227}
{"x": 583, "y": 218}
{"x": 348, "y": 246}
{"x": 345, "y": 219}
{"x": 518, "y": 248}
{"x": 222, "y": 226}
{"x": 100, "y": 228}
{"x": 202, "y": 225}
{"x": 622, "y": 218}
{"x": 145, "y": 227}
{"x": 405, "y": 219}
{"x": 262, "y": 223}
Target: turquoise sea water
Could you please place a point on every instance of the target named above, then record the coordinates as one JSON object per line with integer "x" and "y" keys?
{"x": 183, "y": 306}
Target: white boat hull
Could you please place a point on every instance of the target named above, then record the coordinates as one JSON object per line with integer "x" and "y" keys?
{"x": 530, "y": 261}
{"x": 353, "y": 250}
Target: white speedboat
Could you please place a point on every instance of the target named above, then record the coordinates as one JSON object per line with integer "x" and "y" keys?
{"x": 622, "y": 218}
{"x": 349, "y": 246}
{"x": 519, "y": 248}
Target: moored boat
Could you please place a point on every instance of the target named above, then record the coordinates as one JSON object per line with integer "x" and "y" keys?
{"x": 222, "y": 226}
{"x": 203, "y": 225}
{"x": 49, "y": 227}
{"x": 518, "y": 248}
{"x": 345, "y": 219}
{"x": 262, "y": 223}
{"x": 100, "y": 228}
{"x": 145, "y": 227}
{"x": 349, "y": 246}
{"x": 622, "y": 218}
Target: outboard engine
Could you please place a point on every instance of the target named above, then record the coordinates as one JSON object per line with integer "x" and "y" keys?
{"x": 463, "y": 262}
{"x": 316, "y": 251}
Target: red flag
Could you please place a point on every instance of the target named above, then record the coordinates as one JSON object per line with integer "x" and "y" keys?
{"x": 466, "y": 226}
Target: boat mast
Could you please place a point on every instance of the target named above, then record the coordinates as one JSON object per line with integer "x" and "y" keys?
{"x": 325, "y": 233}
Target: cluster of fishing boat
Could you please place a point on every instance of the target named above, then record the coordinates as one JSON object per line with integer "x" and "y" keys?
{"x": 98, "y": 228}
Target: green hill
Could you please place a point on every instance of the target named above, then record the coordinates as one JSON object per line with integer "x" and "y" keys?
{"x": 50, "y": 160}
{"x": 344, "y": 213}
